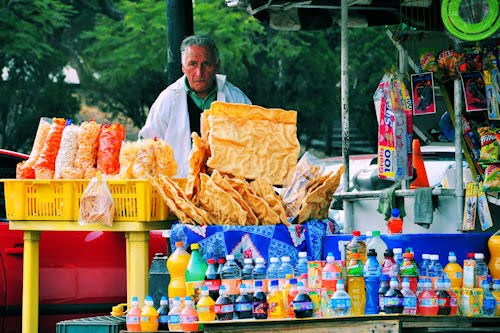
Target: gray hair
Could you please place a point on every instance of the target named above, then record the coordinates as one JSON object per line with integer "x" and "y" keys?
{"x": 200, "y": 41}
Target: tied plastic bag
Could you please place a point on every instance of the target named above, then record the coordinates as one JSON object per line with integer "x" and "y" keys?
{"x": 25, "y": 169}
{"x": 96, "y": 204}
{"x": 110, "y": 142}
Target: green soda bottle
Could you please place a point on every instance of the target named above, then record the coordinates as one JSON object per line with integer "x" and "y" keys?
{"x": 195, "y": 273}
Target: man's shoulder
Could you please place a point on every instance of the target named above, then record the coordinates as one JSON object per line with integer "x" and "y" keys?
{"x": 171, "y": 89}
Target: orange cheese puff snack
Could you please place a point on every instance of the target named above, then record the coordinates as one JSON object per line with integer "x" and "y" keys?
{"x": 165, "y": 163}
{"x": 128, "y": 153}
{"x": 67, "y": 150}
{"x": 24, "y": 169}
{"x": 87, "y": 145}
{"x": 46, "y": 162}
{"x": 143, "y": 164}
{"x": 110, "y": 142}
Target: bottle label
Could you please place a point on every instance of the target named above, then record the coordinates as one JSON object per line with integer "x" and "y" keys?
{"x": 410, "y": 302}
{"x": 189, "y": 319}
{"x": 302, "y": 306}
{"x": 242, "y": 307}
{"x": 174, "y": 318}
{"x": 193, "y": 288}
{"x": 149, "y": 319}
{"x": 479, "y": 280}
{"x": 428, "y": 302}
{"x": 249, "y": 284}
{"x": 392, "y": 301}
{"x": 458, "y": 275}
{"x": 232, "y": 286}
{"x": 453, "y": 302}
{"x": 341, "y": 303}
{"x": 212, "y": 285}
{"x": 443, "y": 302}
{"x": 163, "y": 319}
{"x": 205, "y": 309}
{"x": 133, "y": 320}
{"x": 260, "y": 307}
{"x": 224, "y": 308}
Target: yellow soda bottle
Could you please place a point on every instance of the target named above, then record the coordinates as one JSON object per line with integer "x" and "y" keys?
{"x": 356, "y": 285}
{"x": 206, "y": 306}
{"x": 149, "y": 316}
{"x": 454, "y": 271}
{"x": 275, "y": 301}
{"x": 177, "y": 264}
{"x": 496, "y": 294}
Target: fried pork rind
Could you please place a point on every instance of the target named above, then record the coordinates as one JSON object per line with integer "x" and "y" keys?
{"x": 224, "y": 185}
{"x": 178, "y": 203}
{"x": 259, "y": 206}
{"x": 128, "y": 153}
{"x": 97, "y": 204}
{"x": 165, "y": 161}
{"x": 143, "y": 163}
{"x": 197, "y": 165}
{"x": 318, "y": 200}
{"x": 266, "y": 191}
{"x": 88, "y": 143}
{"x": 251, "y": 142}
{"x": 220, "y": 206}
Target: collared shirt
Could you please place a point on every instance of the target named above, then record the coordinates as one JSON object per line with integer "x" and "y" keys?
{"x": 202, "y": 103}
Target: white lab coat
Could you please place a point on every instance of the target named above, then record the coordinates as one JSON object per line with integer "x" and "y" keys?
{"x": 168, "y": 117}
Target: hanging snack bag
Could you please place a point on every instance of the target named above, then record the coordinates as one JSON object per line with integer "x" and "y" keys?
{"x": 447, "y": 61}
{"x": 489, "y": 145}
{"x": 68, "y": 149}
{"x": 428, "y": 60}
{"x": 110, "y": 141}
{"x": 492, "y": 178}
{"x": 24, "y": 170}
{"x": 46, "y": 163}
{"x": 96, "y": 204}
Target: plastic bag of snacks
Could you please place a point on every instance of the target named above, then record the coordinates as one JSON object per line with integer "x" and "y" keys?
{"x": 110, "y": 142}
{"x": 45, "y": 165}
{"x": 490, "y": 145}
{"x": 96, "y": 204}
{"x": 128, "y": 153}
{"x": 25, "y": 169}
{"x": 165, "y": 163}
{"x": 88, "y": 141}
{"x": 492, "y": 178}
{"x": 143, "y": 163}
{"x": 68, "y": 149}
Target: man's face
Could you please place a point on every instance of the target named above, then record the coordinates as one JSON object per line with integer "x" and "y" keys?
{"x": 200, "y": 68}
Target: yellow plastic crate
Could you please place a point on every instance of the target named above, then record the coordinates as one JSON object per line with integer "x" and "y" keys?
{"x": 135, "y": 200}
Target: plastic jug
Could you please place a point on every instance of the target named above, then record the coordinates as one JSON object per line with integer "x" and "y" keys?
{"x": 494, "y": 247}
{"x": 177, "y": 264}
{"x": 195, "y": 273}
{"x": 158, "y": 278}
{"x": 378, "y": 245}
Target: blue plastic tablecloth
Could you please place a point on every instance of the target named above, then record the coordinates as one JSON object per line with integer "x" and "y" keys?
{"x": 256, "y": 241}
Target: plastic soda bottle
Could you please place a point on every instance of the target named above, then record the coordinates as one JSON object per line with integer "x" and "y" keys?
{"x": 389, "y": 266}
{"x": 410, "y": 300}
{"x": 496, "y": 294}
{"x": 163, "y": 314}
{"x": 398, "y": 256}
{"x": 341, "y": 301}
{"x": 220, "y": 264}
{"x": 206, "y": 306}
{"x": 409, "y": 270}
{"x": 301, "y": 267}
{"x": 272, "y": 270}
{"x": 247, "y": 275}
{"x": 453, "y": 297}
{"x": 428, "y": 300}
{"x": 195, "y": 273}
{"x": 189, "y": 316}
{"x": 368, "y": 238}
{"x": 174, "y": 315}
{"x": 393, "y": 298}
{"x": 243, "y": 305}
{"x": 301, "y": 303}
{"x": 149, "y": 316}
{"x": 395, "y": 222}
{"x": 481, "y": 269}
{"x": 290, "y": 296}
{"x": 489, "y": 302}
{"x": 453, "y": 271}
{"x": 423, "y": 270}
{"x": 355, "y": 245}
{"x": 330, "y": 273}
{"x": 372, "y": 272}
{"x": 384, "y": 287}
{"x": 378, "y": 244}
{"x": 444, "y": 299}
{"x": 133, "y": 318}
{"x": 231, "y": 277}
{"x": 212, "y": 279}
{"x": 435, "y": 270}
{"x": 177, "y": 264}
{"x": 260, "y": 272}
{"x": 259, "y": 304}
{"x": 356, "y": 285}
{"x": 284, "y": 270}
{"x": 494, "y": 247}
{"x": 275, "y": 301}
{"x": 224, "y": 306}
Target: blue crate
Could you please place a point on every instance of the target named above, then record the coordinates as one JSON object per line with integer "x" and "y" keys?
{"x": 101, "y": 324}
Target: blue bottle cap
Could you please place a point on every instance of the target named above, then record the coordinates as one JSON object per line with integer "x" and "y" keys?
{"x": 293, "y": 281}
{"x": 406, "y": 280}
{"x": 274, "y": 283}
{"x": 258, "y": 283}
{"x": 395, "y": 212}
{"x": 329, "y": 254}
{"x": 163, "y": 298}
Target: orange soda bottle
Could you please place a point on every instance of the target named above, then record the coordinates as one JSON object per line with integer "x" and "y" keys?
{"x": 177, "y": 264}
{"x": 356, "y": 245}
{"x": 133, "y": 318}
{"x": 189, "y": 316}
{"x": 454, "y": 271}
{"x": 206, "y": 306}
{"x": 149, "y": 316}
{"x": 275, "y": 301}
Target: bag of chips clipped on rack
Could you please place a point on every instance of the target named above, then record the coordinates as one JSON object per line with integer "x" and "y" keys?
{"x": 96, "y": 204}
{"x": 67, "y": 150}
{"x": 111, "y": 137}
{"x": 490, "y": 145}
{"x": 46, "y": 163}
{"x": 24, "y": 170}
{"x": 492, "y": 178}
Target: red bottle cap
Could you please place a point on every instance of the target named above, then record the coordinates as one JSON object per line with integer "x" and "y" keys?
{"x": 356, "y": 233}
{"x": 211, "y": 261}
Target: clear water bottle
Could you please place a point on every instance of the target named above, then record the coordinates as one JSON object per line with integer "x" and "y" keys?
{"x": 247, "y": 275}
{"x": 259, "y": 270}
{"x": 273, "y": 270}
{"x": 481, "y": 269}
{"x": 378, "y": 244}
{"x": 341, "y": 301}
{"x": 231, "y": 277}
{"x": 301, "y": 267}
{"x": 285, "y": 269}
{"x": 398, "y": 255}
{"x": 435, "y": 271}
{"x": 489, "y": 302}
{"x": 424, "y": 266}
